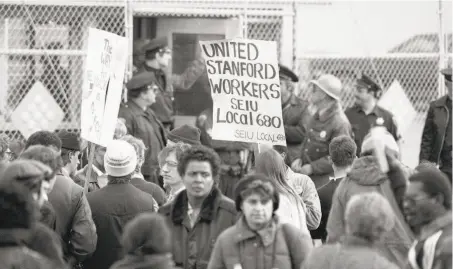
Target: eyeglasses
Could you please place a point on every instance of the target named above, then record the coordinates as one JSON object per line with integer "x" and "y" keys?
{"x": 165, "y": 50}
{"x": 170, "y": 164}
{"x": 153, "y": 87}
{"x": 415, "y": 200}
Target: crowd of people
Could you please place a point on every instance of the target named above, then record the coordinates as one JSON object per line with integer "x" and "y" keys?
{"x": 161, "y": 197}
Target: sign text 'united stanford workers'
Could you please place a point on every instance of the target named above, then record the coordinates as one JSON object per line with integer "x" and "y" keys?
{"x": 245, "y": 86}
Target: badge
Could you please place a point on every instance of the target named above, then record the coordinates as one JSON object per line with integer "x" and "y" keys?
{"x": 379, "y": 121}
{"x": 322, "y": 134}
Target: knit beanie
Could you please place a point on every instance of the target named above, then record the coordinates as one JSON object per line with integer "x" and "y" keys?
{"x": 69, "y": 141}
{"x": 147, "y": 234}
{"x": 120, "y": 159}
{"x": 255, "y": 181}
{"x": 186, "y": 134}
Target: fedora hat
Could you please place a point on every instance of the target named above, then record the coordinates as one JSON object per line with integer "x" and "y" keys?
{"x": 329, "y": 84}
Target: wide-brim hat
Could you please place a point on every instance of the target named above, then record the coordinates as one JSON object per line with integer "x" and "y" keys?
{"x": 329, "y": 84}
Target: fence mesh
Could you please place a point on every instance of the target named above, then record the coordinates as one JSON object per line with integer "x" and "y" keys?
{"x": 51, "y": 41}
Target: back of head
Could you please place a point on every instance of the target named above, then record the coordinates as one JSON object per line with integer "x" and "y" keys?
{"x": 45, "y": 155}
{"x": 139, "y": 148}
{"x": 185, "y": 134}
{"x": 30, "y": 173}
{"x": 199, "y": 153}
{"x": 369, "y": 216}
{"x": 69, "y": 141}
{"x": 147, "y": 234}
{"x": 44, "y": 138}
{"x": 120, "y": 159}
{"x": 342, "y": 151}
{"x": 434, "y": 183}
{"x": 17, "y": 209}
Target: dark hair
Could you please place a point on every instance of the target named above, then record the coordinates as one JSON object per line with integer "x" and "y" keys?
{"x": 119, "y": 180}
{"x": 243, "y": 185}
{"x": 342, "y": 151}
{"x": 147, "y": 234}
{"x": 434, "y": 182}
{"x": 17, "y": 208}
{"x": 44, "y": 138}
{"x": 201, "y": 154}
{"x": 65, "y": 155}
{"x": 45, "y": 155}
{"x": 282, "y": 150}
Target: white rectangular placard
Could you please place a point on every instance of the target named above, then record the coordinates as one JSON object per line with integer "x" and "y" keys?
{"x": 102, "y": 85}
{"x": 245, "y": 87}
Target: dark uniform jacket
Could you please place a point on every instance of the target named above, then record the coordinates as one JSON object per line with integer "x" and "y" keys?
{"x": 145, "y": 126}
{"x": 75, "y": 225}
{"x": 192, "y": 246}
{"x": 362, "y": 123}
{"x": 320, "y": 131}
{"x": 295, "y": 118}
{"x": 163, "y": 107}
{"x": 113, "y": 206}
{"x": 436, "y": 139}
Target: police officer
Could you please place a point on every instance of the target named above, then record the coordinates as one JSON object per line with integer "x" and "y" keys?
{"x": 294, "y": 111}
{"x": 436, "y": 139}
{"x": 235, "y": 156}
{"x": 157, "y": 59}
{"x": 141, "y": 122}
{"x": 326, "y": 122}
{"x": 366, "y": 113}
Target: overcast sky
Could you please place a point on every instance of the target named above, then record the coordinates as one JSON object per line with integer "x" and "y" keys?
{"x": 367, "y": 27}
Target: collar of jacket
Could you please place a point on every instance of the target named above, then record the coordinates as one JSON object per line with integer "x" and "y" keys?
{"x": 436, "y": 225}
{"x": 376, "y": 111}
{"x": 208, "y": 208}
{"x": 329, "y": 113}
{"x": 267, "y": 234}
{"x": 13, "y": 237}
{"x": 441, "y": 102}
{"x": 152, "y": 69}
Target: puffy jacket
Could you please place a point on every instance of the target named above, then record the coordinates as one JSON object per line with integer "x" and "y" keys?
{"x": 74, "y": 221}
{"x": 278, "y": 246}
{"x": 366, "y": 176}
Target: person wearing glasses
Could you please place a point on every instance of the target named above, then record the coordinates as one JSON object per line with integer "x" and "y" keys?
{"x": 157, "y": 59}
{"x": 436, "y": 139}
{"x": 142, "y": 123}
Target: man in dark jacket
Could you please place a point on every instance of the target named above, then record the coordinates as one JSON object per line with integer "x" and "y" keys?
{"x": 199, "y": 213}
{"x": 326, "y": 122}
{"x": 141, "y": 122}
{"x": 295, "y": 113}
{"x": 116, "y": 204}
{"x": 70, "y": 152}
{"x": 75, "y": 225}
{"x": 366, "y": 113}
{"x": 436, "y": 138}
{"x": 157, "y": 59}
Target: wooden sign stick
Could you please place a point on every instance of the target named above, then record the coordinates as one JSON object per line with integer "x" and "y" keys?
{"x": 91, "y": 149}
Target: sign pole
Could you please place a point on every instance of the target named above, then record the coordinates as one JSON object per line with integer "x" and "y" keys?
{"x": 91, "y": 149}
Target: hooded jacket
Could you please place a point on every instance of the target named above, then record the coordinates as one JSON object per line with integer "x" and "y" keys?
{"x": 366, "y": 176}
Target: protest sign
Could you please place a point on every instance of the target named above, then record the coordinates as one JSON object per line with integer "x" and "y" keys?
{"x": 245, "y": 87}
{"x": 102, "y": 85}
{"x": 395, "y": 100}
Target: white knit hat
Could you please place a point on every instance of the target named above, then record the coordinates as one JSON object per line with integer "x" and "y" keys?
{"x": 386, "y": 138}
{"x": 120, "y": 159}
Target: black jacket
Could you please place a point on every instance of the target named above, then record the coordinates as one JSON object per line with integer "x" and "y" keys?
{"x": 112, "y": 207}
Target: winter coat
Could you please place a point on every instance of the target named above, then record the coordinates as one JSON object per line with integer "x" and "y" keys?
{"x": 305, "y": 188}
{"x": 292, "y": 210}
{"x": 277, "y": 246}
{"x": 435, "y": 134}
{"x": 295, "y": 118}
{"x": 145, "y": 126}
{"x": 433, "y": 244}
{"x": 14, "y": 254}
{"x": 352, "y": 253}
{"x": 151, "y": 188}
{"x": 366, "y": 176}
{"x": 75, "y": 225}
{"x": 156, "y": 261}
{"x": 192, "y": 246}
{"x": 320, "y": 132}
{"x": 47, "y": 243}
{"x": 112, "y": 207}
{"x": 81, "y": 176}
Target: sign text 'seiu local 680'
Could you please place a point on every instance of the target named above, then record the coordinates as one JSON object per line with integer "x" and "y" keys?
{"x": 245, "y": 87}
